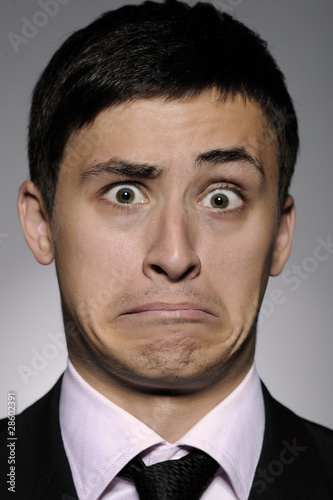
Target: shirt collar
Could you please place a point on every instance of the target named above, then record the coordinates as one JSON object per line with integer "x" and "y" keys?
{"x": 99, "y": 437}
{"x": 233, "y": 432}
{"x": 91, "y": 425}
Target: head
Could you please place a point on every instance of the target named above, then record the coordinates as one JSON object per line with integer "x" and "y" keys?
{"x": 168, "y": 50}
{"x": 162, "y": 264}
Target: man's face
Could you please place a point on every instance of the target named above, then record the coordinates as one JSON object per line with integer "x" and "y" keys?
{"x": 163, "y": 237}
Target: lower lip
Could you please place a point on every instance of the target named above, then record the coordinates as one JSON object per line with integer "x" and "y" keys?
{"x": 170, "y": 314}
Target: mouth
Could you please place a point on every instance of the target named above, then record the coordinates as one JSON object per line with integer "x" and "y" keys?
{"x": 169, "y": 310}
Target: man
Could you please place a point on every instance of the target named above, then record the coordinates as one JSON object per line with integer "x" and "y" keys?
{"x": 162, "y": 143}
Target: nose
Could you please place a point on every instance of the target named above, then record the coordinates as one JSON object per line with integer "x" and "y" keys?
{"x": 171, "y": 248}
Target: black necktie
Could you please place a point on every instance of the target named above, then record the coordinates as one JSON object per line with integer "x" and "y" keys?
{"x": 183, "y": 479}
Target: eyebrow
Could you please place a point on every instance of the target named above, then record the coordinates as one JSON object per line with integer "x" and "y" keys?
{"x": 120, "y": 167}
{"x": 238, "y": 154}
{"x": 130, "y": 169}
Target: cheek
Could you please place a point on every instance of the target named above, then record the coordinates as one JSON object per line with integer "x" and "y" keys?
{"x": 239, "y": 269}
{"x": 93, "y": 265}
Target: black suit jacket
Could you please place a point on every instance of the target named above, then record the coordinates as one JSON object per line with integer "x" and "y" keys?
{"x": 296, "y": 461}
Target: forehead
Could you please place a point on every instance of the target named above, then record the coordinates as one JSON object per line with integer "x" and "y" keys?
{"x": 167, "y": 132}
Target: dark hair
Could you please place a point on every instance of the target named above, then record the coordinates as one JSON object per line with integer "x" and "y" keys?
{"x": 170, "y": 50}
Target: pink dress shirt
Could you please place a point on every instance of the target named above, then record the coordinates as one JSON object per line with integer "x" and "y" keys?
{"x": 100, "y": 438}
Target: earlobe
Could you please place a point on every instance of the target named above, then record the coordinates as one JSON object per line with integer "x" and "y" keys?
{"x": 35, "y": 222}
{"x": 284, "y": 237}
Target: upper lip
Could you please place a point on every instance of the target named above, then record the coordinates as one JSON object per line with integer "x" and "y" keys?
{"x": 166, "y": 306}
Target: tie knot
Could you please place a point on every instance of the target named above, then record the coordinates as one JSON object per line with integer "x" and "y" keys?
{"x": 183, "y": 479}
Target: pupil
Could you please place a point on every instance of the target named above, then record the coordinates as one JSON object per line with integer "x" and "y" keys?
{"x": 124, "y": 195}
{"x": 220, "y": 201}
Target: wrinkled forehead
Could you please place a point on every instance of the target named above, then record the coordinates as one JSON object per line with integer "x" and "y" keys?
{"x": 150, "y": 128}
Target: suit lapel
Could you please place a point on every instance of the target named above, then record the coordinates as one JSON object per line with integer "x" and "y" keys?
{"x": 289, "y": 466}
{"x": 43, "y": 471}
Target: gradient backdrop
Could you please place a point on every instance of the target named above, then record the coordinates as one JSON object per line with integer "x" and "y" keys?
{"x": 295, "y": 342}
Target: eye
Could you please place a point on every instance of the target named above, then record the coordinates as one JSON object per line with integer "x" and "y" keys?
{"x": 125, "y": 195}
{"x": 222, "y": 199}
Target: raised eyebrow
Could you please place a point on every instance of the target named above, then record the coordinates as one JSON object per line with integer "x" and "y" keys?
{"x": 120, "y": 167}
{"x": 239, "y": 154}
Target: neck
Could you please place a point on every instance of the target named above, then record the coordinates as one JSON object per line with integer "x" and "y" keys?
{"x": 169, "y": 414}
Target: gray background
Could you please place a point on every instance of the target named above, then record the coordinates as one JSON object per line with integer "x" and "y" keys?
{"x": 295, "y": 344}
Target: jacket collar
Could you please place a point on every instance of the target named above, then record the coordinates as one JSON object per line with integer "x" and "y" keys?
{"x": 289, "y": 465}
{"x": 47, "y": 456}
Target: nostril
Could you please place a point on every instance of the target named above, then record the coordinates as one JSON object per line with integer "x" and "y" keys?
{"x": 188, "y": 272}
{"x": 158, "y": 269}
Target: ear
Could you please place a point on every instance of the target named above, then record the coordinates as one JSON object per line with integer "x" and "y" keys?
{"x": 284, "y": 237}
{"x": 35, "y": 222}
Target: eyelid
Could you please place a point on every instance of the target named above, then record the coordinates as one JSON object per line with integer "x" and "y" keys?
{"x": 125, "y": 182}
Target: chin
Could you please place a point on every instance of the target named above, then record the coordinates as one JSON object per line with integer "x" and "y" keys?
{"x": 173, "y": 374}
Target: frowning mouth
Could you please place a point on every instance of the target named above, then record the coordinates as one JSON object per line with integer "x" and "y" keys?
{"x": 170, "y": 310}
